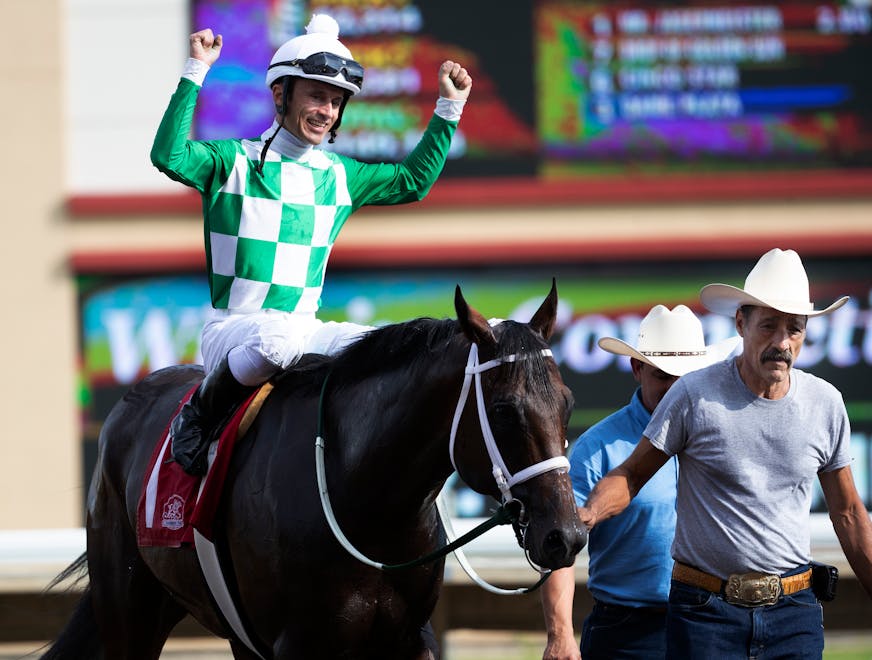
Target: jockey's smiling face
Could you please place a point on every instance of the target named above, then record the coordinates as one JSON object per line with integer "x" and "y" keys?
{"x": 312, "y": 109}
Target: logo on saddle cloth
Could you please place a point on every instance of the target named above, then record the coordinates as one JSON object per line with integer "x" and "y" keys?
{"x": 173, "y": 515}
{"x": 169, "y": 507}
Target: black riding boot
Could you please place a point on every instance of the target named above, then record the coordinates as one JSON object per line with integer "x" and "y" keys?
{"x": 214, "y": 400}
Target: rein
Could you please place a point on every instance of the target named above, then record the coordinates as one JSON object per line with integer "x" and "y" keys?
{"x": 510, "y": 511}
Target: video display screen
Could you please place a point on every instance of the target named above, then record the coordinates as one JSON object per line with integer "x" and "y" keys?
{"x": 568, "y": 90}
{"x": 697, "y": 84}
{"x": 401, "y": 45}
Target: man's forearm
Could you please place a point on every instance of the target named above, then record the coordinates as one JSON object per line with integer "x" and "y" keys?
{"x": 854, "y": 532}
{"x": 557, "y": 593}
{"x": 610, "y": 496}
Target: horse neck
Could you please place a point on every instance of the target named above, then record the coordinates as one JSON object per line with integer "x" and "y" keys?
{"x": 395, "y": 429}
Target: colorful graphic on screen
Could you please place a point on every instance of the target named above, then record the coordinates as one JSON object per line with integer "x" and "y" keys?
{"x": 688, "y": 84}
{"x": 401, "y": 45}
{"x": 570, "y": 90}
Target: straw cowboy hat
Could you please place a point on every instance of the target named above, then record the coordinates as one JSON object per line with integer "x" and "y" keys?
{"x": 777, "y": 281}
{"x": 672, "y": 341}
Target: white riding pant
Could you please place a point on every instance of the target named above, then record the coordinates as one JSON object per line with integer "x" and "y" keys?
{"x": 260, "y": 344}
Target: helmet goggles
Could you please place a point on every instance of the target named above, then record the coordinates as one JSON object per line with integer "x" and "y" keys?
{"x": 327, "y": 64}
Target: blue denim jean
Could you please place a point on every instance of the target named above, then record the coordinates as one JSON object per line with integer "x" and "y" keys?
{"x": 613, "y": 632}
{"x": 702, "y": 625}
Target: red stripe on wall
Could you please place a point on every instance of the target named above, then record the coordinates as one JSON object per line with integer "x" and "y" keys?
{"x": 137, "y": 261}
{"x": 528, "y": 191}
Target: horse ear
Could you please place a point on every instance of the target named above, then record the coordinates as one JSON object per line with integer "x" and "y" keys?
{"x": 473, "y": 324}
{"x": 544, "y": 318}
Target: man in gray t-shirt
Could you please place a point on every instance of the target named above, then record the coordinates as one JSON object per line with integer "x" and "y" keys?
{"x": 751, "y": 434}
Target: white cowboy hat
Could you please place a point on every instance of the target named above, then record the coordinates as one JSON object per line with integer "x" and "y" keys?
{"x": 671, "y": 341}
{"x": 778, "y": 280}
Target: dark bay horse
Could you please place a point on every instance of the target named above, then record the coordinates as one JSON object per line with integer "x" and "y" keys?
{"x": 389, "y": 411}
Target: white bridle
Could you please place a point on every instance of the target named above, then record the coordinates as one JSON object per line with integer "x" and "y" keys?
{"x": 504, "y": 478}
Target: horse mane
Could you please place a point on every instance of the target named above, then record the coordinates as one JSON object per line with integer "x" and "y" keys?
{"x": 404, "y": 345}
{"x": 410, "y": 344}
{"x": 381, "y": 349}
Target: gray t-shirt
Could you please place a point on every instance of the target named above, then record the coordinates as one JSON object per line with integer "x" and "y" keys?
{"x": 747, "y": 467}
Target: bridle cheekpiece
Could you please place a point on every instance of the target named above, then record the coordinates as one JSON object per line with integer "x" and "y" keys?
{"x": 504, "y": 478}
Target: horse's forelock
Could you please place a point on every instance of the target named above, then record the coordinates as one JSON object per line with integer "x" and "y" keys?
{"x": 518, "y": 339}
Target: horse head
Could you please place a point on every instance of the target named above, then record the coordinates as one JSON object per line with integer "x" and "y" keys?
{"x": 510, "y": 430}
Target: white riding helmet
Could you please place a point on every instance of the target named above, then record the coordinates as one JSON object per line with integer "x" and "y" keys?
{"x": 318, "y": 55}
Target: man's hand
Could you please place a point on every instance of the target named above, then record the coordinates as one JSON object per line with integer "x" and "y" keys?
{"x": 455, "y": 82}
{"x": 205, "y": 46}
{"x": 587, "y": 517}
{"x": 562, "y": 648}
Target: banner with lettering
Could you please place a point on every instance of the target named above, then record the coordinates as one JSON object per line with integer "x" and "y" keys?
{"x": 133, "y": 326}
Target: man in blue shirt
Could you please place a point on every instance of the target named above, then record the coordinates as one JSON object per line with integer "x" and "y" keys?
{"x": 630, "y": 563}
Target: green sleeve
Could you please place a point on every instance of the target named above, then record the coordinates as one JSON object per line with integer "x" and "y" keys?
{"x": 199, "y": 165}
{"x": 408, "y": 181}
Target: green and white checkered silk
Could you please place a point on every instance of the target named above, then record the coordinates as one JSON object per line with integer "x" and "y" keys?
{"x": 268, "y": 238}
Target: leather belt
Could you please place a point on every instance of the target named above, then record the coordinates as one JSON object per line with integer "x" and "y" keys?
{"x": 746, "y": 589}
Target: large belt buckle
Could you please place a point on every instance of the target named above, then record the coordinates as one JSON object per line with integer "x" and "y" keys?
{"x": 753, "y": 589}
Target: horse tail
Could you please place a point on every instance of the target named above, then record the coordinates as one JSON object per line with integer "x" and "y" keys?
{"x": 78, "y": 570}
{"x": 80, "y": 638}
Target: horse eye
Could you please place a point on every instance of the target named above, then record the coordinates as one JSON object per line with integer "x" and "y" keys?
{"x": 503, "y": 408}
{"x": 506, "y": 413}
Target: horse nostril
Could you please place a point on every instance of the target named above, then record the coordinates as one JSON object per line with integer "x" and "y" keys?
{"x": 561, "y": 548}
{"x": 556, "y": 546}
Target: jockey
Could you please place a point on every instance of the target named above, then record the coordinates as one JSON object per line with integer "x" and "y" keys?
{"x": 273, "y": 207}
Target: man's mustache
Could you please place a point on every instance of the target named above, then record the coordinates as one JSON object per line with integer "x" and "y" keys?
{"x": 774, "y": 355}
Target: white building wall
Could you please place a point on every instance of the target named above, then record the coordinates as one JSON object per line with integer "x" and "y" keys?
{"x": 40, "y": 464}
{"x": 122, "y": 60}
{"x": 84, "y": 85}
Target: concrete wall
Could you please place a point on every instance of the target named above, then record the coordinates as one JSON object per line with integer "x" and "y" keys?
{"x": 84, "y": 84}
{"x": 122, "y": 62}
{"x": 39, "y": 444}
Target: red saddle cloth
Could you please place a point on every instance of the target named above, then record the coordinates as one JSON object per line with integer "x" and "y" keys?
{"x": 173, "y": 503}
